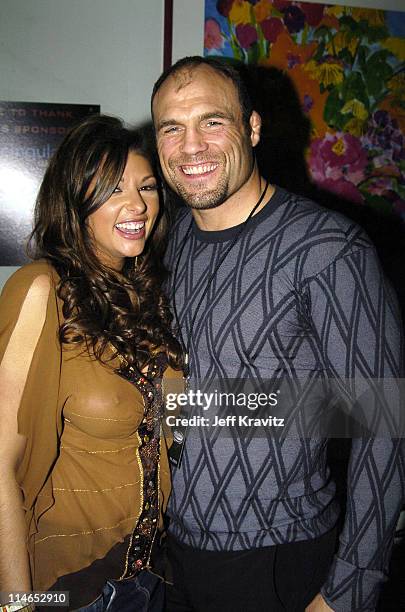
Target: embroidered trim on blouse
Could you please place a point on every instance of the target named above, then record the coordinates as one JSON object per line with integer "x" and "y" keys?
{"x": 149, "y": 432}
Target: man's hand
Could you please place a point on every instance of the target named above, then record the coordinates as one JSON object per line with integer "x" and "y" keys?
{"x": 318, "y": 604}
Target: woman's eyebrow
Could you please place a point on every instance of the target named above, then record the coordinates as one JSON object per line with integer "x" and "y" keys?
{"x": 145, "y": 178}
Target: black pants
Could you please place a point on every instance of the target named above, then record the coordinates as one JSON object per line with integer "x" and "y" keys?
{"x": 282, "y": 578}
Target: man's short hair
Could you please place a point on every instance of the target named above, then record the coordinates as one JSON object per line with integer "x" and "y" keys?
{"x": 222, "y": 67}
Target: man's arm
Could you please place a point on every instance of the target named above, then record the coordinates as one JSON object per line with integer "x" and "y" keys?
{"x": 356, "y": 320}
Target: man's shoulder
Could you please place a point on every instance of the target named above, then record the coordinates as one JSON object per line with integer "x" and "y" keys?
{"x": 312, "y": 236}
{"x": 303, "y": 212}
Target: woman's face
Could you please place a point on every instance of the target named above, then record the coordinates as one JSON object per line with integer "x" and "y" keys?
{"x": 121, "y": 226}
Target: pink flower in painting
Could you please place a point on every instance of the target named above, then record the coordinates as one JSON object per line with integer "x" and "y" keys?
{"x": 212, "y": 35}
{"x": 380, "y": 185}
{"x": 246, "y": 34}
{"x": 280, "y": 5}
{"x": 224, "y": 7}
{"x": 385, "y": 136}
{"x": 313, "y": 12}
{"x": 338, "y": 156}
{"x": 272, "y": 28}
{"x": 344, "y": 189}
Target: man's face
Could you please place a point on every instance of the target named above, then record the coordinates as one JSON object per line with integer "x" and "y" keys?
{"x": 204, "y": 148}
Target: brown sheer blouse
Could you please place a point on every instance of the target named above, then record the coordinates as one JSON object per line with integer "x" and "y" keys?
{"x": 81, "y": 473}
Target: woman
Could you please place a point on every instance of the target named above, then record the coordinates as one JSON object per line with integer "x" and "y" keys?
{"x": 84, "y": 342}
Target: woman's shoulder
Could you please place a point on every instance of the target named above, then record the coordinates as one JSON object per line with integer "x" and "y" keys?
{"x": 24, "y": 277}
{"x": 34, "y": 279}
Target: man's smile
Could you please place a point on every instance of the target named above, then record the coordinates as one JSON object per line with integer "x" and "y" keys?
{"x": 199, "y": 169}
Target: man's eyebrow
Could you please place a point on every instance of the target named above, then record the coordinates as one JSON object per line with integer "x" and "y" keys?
{"x": 209, "y": 115}
{"x": 166, "y": 122}
{"x": 217, "y": 115}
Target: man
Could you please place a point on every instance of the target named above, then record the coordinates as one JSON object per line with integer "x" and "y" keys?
{"x": 266, "y": 284}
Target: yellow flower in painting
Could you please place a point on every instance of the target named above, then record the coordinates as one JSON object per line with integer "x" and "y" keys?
{"x": 342, "y": 40}
{"x": 397, "y": 85}
{"x": 262, "y": 10}
{"x": 240, "y": 12}
{"x": 327, "y": 73}
{"x": 374, "y": 18}
{"x": 396, "y": 46}
{"x": 334, "y": 11}
{"x": 356, "y": 127}
{"x": 356, "y": 108}
{"x": 339, "y": 147}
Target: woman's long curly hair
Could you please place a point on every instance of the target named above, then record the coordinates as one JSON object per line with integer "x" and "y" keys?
{"x": 103, "y": 309}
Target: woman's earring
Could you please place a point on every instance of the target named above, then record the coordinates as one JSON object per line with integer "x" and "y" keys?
{"x": 136, "y": 263}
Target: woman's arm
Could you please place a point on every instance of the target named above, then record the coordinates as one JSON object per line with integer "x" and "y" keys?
{"x": 14, "y": 367}
{"x": 14, "y": 566}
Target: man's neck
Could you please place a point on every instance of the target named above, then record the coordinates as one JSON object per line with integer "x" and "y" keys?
{"x": 236, "y": 208}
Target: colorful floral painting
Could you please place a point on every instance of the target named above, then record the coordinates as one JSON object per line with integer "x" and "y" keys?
{"x": 348, "y": 66}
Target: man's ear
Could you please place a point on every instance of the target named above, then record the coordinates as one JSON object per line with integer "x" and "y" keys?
{"x": 255, "y": 122}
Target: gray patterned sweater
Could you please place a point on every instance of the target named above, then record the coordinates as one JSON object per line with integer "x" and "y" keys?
{"x": 300, "y": 290}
